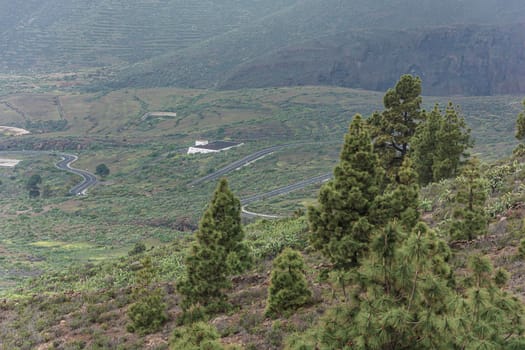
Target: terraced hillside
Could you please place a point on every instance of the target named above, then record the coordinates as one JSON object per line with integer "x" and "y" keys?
{"x": 54, "y": 34}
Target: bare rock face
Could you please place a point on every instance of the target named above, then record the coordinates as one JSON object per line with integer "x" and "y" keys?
{"x": 466, "y": 60}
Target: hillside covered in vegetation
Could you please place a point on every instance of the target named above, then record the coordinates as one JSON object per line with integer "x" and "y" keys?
{"x": 412, "y": 240}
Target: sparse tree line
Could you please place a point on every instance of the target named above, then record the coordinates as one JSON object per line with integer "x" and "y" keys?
{"x": 395, "y": 280}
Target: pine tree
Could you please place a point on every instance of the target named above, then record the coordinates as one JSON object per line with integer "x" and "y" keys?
{"x": 33, "y": 184}
{"x": 217, "y": 253}
{"x": 148, "y": 313}
{"x": 399, "y": 202}
{"x": 394, "y": 128}
{"x": 288, "y": 286}
{"x": 439, "y": 144}
{"x": 488, "y": 317}
{"x": 224, "y": 215}
{"x": 406, "y": 299}
{"x": 198, "y": 336}
{"x": 424, "y": 144}
{"x": 404, "y": 293}
{"x": 469, "y": 217}
{"x": 402, "y": 301}
{"x": 453, "y": 140}
{"x": 340, "y": 226}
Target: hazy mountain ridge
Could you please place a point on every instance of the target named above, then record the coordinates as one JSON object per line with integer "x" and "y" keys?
{"x": 313, "y": 43}
{"x": 212, "y": 43}
{"x": 468, "y": 60}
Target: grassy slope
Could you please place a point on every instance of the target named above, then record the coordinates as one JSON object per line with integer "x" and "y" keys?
{"x": 217, "y": 42}
{"x": 86, "y": 306}
{"x": 145, "y": 197}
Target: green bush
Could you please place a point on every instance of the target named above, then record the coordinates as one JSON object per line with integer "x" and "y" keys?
{"x": 198, "y": 336}
{"x": 288, "y": 286}
{"x": 148, "y": 313}
{"x": 102, "y": 170}
{"x": 521, "y": 248}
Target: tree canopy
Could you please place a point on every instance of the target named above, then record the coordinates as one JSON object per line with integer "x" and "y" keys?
{"x": 440, "y": 144}
{"x": 340, "y": 225}
{"x": 288, "y": 286}
{"x": 404, "y": 294}
{"x": 393, "y": 128}
{"x": 102, "y": 170}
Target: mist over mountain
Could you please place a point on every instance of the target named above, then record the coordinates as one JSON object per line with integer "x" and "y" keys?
{"x": 458, "y": 47}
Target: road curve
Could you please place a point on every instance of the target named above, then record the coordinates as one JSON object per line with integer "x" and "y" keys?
{"x": 88, "y": 181}
{"x": 251, "y": 214}
{"x": 280, "y": 191}
{"x": 287, "y": 189}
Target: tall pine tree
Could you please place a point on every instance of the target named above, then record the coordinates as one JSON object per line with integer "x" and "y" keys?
{"x": 453, "y": 141}
{"x": 218, "y": 252}
{"x": 424, "y": 144}
{"x": 394, "y": 128}
{"x": 340, "y": 225}
{"x": 399, "y": 201}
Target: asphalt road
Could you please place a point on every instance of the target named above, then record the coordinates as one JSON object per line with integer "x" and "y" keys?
{"x": 88, "y": 178}
{"x": 237, "y": 164}
{"x": 258, "y": 197}
{"x": 287, "y": 189}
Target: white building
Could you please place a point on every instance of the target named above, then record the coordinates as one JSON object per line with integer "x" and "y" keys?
{"x": 203, "y": 146}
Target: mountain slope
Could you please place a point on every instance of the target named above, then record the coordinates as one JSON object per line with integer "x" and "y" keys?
{"x": 469, "y": 60}
{"x": 300, "y": 45}
{"x": 253, "y": 43}
{"x": 53, "y": 34}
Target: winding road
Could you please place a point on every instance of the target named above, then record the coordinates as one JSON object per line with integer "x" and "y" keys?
{"x": 88, "y": 179}
{"x": 287, "y": 189}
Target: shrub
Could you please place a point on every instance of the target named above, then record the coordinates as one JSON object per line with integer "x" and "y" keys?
{"x": 198, "y": 336}
{"x": 288, "y": 286}
{"x": 148, "y": 313}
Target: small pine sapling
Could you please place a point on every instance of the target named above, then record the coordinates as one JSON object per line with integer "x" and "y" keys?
{"x": 288, "y": 286}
